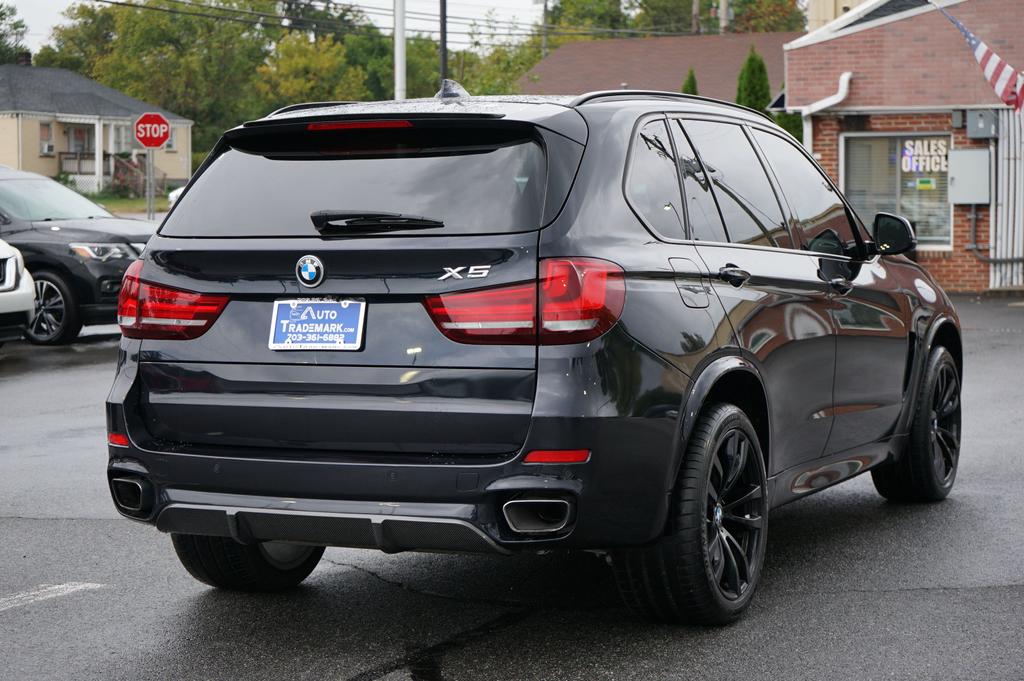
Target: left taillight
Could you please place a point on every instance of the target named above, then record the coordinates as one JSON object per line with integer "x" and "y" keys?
{"x": 147, "y": 310}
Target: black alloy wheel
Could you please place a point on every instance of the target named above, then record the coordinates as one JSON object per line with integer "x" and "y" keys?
{"x": 735, "y": 516}
{"x": 945, "y": 423}
{"x": 56, "y": 318}
{"x": 706, "y": 566}
{"x": 927, "y": 469}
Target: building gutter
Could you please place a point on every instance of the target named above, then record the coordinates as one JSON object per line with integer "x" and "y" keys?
{"x": 827, "y": 103}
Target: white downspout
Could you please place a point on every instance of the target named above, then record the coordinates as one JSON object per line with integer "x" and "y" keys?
{"x": 832, "y": 100}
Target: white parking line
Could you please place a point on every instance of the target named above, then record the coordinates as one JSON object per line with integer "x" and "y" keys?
{"x": 45, "y": 591}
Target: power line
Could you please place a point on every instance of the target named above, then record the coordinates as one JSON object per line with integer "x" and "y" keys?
{"x": 262, "y": 22}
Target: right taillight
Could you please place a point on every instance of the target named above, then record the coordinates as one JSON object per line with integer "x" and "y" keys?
{"x": 575, "y": 300}
{"x": 146, "y": 310}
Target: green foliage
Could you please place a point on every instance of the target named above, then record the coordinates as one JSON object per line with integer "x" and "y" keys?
{"x": 602, "y": 13}
{"x": 753, "y": 89}
{"x": 791, "y": 123}
{"x": 12, "y": 33}
{"x": 197, "y": 159}
{"x": 760, "y": 16}
{"x": 690, "y": 84}
{"x": 304, "y": 70}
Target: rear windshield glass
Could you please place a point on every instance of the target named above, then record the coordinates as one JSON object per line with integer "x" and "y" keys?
{"x": 475, "y": 182}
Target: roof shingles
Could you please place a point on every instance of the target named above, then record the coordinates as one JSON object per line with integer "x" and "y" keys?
{"x": 656, "y": 64}
{"x": 59, "y": 91}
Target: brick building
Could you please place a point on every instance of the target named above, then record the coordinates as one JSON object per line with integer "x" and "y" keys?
{"x": 897, "y": 109}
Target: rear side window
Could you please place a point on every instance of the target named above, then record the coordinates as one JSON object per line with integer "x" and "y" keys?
{"x": 652, "y": 186}
{"x": 820, "y": 214}
{"x": 701, "y": 212}
{"x": 745, "y": 196}
{"x": 482, "y": 180}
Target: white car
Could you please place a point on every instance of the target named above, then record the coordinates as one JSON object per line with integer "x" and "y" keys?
{"x": 174, "y": 195}
{"x": 17, "y": 294}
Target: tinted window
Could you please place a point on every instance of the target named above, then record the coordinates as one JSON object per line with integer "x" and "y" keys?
{"x": 652, "y": 186}
{"x": 818, "y": 211}
{"x": 701, "y": 212}
{"x": 745, "y": 196}
{"x": 267, "y": 185}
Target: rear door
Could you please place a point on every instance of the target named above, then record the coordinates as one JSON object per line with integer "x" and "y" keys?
{"x": 772, "y": 293}
{"x": 868, "y": 309}
{"x": 471, "y": 199}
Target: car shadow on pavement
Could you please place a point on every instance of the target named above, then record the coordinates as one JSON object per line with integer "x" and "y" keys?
{"x": 364, "y": 615}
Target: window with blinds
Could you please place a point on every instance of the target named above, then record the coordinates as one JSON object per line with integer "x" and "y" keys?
{"x": 907, "y": 176}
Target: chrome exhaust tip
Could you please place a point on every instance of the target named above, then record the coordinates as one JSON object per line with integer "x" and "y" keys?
{"x": 132, "y": 495}
{"x": 537, "y": 516}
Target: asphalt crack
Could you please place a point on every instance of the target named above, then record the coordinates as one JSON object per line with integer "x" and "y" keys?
{"x": 424, "y": 664}
{"x": 426, "y": 592}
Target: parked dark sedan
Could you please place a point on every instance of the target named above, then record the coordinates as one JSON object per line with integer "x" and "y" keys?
{"x": 76, "y": 251}
{"x": 624, "y": 322}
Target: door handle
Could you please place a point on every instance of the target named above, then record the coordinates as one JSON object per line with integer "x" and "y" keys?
{"x": 840, "y": 285}
{"x": 733, "y": 275}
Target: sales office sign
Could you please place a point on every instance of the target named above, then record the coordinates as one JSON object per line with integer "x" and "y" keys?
{"x": 925, "y": 155}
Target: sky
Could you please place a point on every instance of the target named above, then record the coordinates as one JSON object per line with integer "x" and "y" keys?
{"x": 42, "y": 15}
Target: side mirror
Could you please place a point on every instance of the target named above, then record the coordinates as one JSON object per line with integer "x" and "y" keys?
{"x": 893, "y": 234}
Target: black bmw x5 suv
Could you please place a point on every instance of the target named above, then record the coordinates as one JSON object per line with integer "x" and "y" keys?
{"x": 629, "y": 322}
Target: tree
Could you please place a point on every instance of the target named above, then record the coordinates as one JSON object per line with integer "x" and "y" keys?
{"x": 791, "y": 122}
{"x": 761, "y": 16}
{"x": 12, "y": 34}
{"x": 305, "y": 70}
{"x": 588, "y": 13}
{"x": 753, "y": 89}
{"x": 690, "y": 84}
{"x": 78, "y": 45}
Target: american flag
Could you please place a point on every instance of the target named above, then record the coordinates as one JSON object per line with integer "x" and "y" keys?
{"x": 1007, "y": 81}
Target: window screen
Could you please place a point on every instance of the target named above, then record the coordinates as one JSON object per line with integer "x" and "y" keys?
{"x": 701, "y": 212}
{"x": 653, "y": 186}
{"x": 745, "y": 197}
{"x": 818, "y": 211}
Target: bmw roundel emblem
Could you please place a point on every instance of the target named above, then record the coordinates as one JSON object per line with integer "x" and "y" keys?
{"x": 310, "y": 271}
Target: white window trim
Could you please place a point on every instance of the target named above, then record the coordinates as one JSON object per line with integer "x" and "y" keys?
{"x": 842, "y": 173}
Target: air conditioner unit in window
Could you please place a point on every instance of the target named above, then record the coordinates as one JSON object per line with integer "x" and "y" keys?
{"x": 46, "y": 148}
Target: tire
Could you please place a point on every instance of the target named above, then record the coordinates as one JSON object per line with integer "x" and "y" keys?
{"x": 690, "y": 575}
{"x": 224, "y": 563}
{"x": 57, "y": 319}
{"x": 927, "y": 470}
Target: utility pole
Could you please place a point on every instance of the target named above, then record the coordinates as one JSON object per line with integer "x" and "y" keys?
{"x": 544, "y": 30}
{"x": 694, "y": 17}
{"x": 399, "y": 36}
{"x": 723, "y": 16}
{"x": 444, "y": 39}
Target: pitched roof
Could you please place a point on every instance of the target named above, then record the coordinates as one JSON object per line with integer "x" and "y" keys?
{"x": 911, "y": 59}
{"x": 656, "y": 63}
{"x": 59, "y": 91}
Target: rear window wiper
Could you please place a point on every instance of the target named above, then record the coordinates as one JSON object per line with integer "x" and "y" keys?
{"x": 338, "y": 222}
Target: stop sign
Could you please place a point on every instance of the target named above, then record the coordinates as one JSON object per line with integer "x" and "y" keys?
{"x": 152, "y": 130}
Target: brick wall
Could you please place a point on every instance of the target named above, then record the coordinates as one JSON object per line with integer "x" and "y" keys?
{"x": 921, "y": 60}
{"x": 957, "y": 270}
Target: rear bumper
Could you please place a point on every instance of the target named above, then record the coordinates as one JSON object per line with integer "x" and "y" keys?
{"x": 388, "y": 527}
{"x": 619, "y": 497}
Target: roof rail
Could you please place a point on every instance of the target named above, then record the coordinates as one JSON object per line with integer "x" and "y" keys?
{"x": 657, "y": 94}
{"x": 308, "y": 105}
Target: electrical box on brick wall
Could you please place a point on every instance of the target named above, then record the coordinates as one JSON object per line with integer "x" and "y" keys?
{"x": 981, "y": 124}
{"x": 969, "y": 176}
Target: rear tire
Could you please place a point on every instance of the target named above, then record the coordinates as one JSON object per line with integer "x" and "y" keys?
{"x": 928, "y": 467}
{"x": 224, "y": 563}
{"x": 57, "y": 319}
{"x": 706, "y": 567}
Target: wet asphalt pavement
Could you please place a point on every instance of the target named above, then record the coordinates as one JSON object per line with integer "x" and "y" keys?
{"x": 855, "y": 588}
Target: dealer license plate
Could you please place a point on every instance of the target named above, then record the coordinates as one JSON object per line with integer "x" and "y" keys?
{"x": 317, "y": 324}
